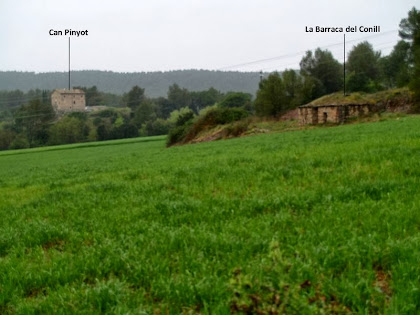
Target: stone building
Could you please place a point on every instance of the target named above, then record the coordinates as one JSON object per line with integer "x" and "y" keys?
{"x": 321, "y": 114}
{"x": 66, "y": 101}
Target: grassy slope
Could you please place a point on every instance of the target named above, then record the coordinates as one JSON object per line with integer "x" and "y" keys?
{"x": 363, "y": 98}
{"x": 316, "y": 219}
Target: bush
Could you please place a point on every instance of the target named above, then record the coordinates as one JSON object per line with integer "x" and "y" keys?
{"x": 186, "y": 130}
{"x": 106, "y": 113}
{"x": 221, "y": 116}
{"x": 184, "y": 118}
{"x": 214, "y": 117}
{"x": 237, "y": 99}
{"x": 236, "y": 129}
{"x": 174, "y": 115}
{"x": 78, "y": 115}
{"x": 6, "y": 138}
{"x": 126, "y": 130}
{"x": 177, "y": 134}
{"x": 155, "y": 128}
{"x": 68, "y": 130}
{"x": 20, "y": 142}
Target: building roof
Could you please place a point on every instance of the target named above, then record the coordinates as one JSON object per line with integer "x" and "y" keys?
{"x": 72, "y": 91}
{"x": 331, "y": 105}
{"x": 338, "y": 99}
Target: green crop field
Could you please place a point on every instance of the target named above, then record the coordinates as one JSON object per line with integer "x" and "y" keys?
{"x": 325, "y": 220}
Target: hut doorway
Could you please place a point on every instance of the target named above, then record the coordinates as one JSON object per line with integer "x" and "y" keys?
{"x": 325, "y": 117}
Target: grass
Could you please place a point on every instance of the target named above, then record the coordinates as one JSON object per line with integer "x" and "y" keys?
{"x": 325, "y": 220}
{"x": 364, "y": 98}
{"x": 83, "y": 145}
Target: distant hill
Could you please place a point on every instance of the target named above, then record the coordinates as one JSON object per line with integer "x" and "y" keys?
{"x": 155, "y": 83}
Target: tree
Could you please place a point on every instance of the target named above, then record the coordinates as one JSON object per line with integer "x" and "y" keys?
{"x": 92, "y": 95}
{"x": 33, "y": 120}
{"x": 184, "y": 117}
{"x": 67, "y": 130}
{"x": 155, "y": 127}
{"x": 174, "y": 115}
{"x": 325, "y": 69}
{"x": 410, "y": 28}
{"x": 6, "y": 138}
{"x": 135, "y": 97}
{"x": 46, "y": 97}
{"x": 396, "y": 66}
{"x": 363, "y": 66}
{"x": 178, "y": 97}
{"x": 293, "y": 87}
{"x": 410, "y": 32}
{"x": 236, "y": 99}
{"x": 10, "y": 99}
{"x": 311, "y": 89}
{"x": 271, "y": 96}
{"x": 358, "y": 82}
{"x": 202, "y": 99}
{"x": 19, "y": 142}
{"x": 145, "y": 111}
{"x": 164, "y": 107}
{"x": 123, "y": 130}
{"x": 102, "y": 132}
{"x": 178, "y": 132}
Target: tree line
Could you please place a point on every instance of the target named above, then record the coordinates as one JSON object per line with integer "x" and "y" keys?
{"x": 35, "y": 123}
{"x": 155, "y": 83}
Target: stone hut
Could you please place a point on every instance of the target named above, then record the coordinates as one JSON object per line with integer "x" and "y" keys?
{"x": 66, "y": 101}
{"x": 336, "y": 114}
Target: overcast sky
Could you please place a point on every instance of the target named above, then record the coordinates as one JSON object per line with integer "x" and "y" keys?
{"x": 160, "y": 35}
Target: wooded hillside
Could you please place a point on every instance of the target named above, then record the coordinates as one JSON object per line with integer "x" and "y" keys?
{"x": 155, "y": 83}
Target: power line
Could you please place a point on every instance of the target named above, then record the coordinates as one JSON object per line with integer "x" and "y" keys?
{"x": 7, "y": 100}
{"x": 340, "y": 59}
{"x": 292, "y": 64}
{"x": 11, "y": 119}
{"x": 299, "y": 53}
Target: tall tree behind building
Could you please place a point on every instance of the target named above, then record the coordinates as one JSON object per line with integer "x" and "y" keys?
{"x": 410, "y": 32}
{"x": 271, "y": 97}
{"x": 363, "y": 67}
{"x": 326, "y": 72}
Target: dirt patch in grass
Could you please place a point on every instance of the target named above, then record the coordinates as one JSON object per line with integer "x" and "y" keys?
{"x": 35, "y": 292}
{"x": 382, "y": 282}
{"x": 56, "y": 244}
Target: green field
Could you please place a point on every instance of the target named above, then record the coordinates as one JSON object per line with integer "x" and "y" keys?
{"x": 325, "y": 220}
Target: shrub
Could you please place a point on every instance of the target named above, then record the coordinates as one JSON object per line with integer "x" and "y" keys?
{"x": 79, "y": 115}
{"x": 177, "y": 134}
{"x": 6, "y": 138}
{"x": 186, "y": 129}
{"x": 67, "y": 130}
{"x": 237, "y": 128}
{"x": 106, "y": 113}
{"x": 155, "y": 128}
{"x": 221, "y": 116}
{"x": 214, "y": 117}
{"x": 20, "y": 142}
{"x": 184, "y": 118}
{"x": 182, "y": 126}
{"x": 174, "y": 115}
{"x": 237, "y": 99}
